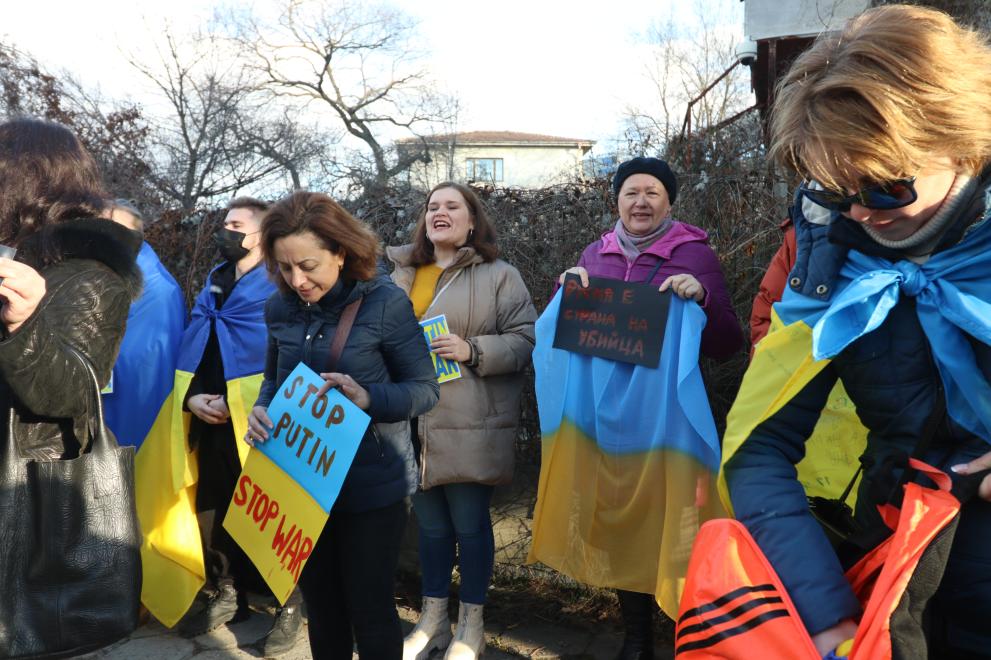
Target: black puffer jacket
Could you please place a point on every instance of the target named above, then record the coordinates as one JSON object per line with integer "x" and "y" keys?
{"x": 385, "y": 353}
{"x": 91, "y": 278}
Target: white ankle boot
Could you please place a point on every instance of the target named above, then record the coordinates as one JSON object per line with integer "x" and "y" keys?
{"x": 432, "y": 631}
{"x": 469, "y": 637}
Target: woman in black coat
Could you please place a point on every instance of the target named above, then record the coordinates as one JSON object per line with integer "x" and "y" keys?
{"x": 68, "y": 290}
{"x": 323, "y": 260}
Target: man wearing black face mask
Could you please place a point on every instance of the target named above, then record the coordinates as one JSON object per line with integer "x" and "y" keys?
{"x": 225, "y": 346}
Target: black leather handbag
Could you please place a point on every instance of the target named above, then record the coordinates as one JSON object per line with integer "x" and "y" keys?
{"x": 70, "y": 564}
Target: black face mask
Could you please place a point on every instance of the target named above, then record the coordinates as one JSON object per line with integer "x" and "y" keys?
{"x": 228, "y": 242}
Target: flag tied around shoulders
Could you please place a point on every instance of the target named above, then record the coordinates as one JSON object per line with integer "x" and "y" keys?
{"x": 952, "y": 291}
{"x": 166, "y": 469}
{"x": 628, "y": 463}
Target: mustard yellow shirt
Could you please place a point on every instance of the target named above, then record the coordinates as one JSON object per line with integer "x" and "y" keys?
{"x": 424, "y": 286}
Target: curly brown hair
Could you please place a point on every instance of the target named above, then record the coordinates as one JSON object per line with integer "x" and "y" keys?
{"x": 333, "y": 226}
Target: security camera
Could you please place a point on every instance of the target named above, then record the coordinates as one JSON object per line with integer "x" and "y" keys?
{"x": 746, "y": 52}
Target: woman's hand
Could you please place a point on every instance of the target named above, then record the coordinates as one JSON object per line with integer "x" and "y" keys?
{"x": 259, "y": 424}
{"x": 576, "y": 270}
{"x": 22, "y": 289}
{"x": 976, "y": 465}
{"x": 830, "y": 638}
{"x": 202, "y": 406}
{"x": 451, "y": 347}
{"x": 686, "y": 286}
{"x": 349, "y": 388}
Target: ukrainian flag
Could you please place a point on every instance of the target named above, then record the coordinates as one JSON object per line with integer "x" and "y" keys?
{"x": 143, "y": 374}
{"x": 166, "y": 477}
{"x": 629, "y": 459}
{"x": 952, "y": 292}
{"x": 781, "y": 367}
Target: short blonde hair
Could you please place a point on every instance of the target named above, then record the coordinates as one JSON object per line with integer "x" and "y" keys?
{"x": 874, "y": 102}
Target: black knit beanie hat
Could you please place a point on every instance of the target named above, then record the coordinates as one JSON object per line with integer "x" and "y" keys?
{"x": 647, "y": 165}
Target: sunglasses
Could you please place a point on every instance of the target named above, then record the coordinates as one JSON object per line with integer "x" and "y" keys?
{"x": 879, "y": 197}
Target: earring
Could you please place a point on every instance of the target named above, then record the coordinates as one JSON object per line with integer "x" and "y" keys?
{"x": 471, "y": 232}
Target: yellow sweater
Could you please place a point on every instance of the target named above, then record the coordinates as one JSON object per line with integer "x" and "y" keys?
{"x": 424, "y": 285}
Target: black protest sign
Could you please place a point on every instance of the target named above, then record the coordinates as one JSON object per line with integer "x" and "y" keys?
{"x": 616, "y": 320}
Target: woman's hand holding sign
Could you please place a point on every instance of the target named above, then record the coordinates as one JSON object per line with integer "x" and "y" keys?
{"x": 685, "y": 286}
{"x": 259, "y": 424}
{"x": 451, "y": 347}
{"x": 348, "y": 387}
{"x": 576, "y": 270}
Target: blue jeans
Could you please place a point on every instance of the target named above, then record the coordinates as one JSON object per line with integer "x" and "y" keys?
{"x": 455, "y": 516}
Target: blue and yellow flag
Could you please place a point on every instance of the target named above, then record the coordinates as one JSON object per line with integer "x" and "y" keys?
{"x": 952, "y": 291}
{"x": 172, "y": 553}
{"x": 628, "y": 464}
{"x": 144, "y": 371}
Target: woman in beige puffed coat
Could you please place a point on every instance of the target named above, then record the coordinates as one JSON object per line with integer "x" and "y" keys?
{"x": 467, "y": 440}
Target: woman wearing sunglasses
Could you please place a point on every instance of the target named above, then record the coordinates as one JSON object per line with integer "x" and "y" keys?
{"x": 889, "y": 122}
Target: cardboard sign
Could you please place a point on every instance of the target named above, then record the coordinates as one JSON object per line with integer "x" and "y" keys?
{"x": 314, "y": 439}
{"x": 290, "y": 482}
{"x": 615, "y": 320}
{"x": 447, "y": 370}
{"x": 275, "y": 521}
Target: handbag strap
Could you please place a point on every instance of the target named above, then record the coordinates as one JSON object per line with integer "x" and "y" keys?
{"x": 97, "y": 427}
{"x": 341, "y": 333}
{"x": 99, "y": 439}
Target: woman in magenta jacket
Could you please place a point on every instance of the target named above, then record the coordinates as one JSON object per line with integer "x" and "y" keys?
{"x": 647, "y": 245}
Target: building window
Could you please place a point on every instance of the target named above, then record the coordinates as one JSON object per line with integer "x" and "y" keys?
{"x": 484, "y": 169}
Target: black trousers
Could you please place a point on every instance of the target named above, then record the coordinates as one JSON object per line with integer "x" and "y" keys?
{"x": 349, "y": 585}
{"x": 219, "y": 469}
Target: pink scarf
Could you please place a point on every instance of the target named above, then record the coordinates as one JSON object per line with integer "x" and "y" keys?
{"x": 633, "y": 244}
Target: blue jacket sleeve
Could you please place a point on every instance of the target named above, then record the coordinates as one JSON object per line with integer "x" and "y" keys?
{"x": 414, "y": 389}
{"x": 769, "y": 500}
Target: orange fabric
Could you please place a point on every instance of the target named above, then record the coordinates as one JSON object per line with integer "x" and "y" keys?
{"x": 772, "y": 286}
{"x": 925, "y": 512}
{"x": 734, "y": 605}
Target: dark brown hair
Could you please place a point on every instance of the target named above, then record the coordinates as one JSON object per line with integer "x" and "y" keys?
{"x": 248, "y": 203}
{"x": 46, "y": 177}
{"x": 483, "y": 238}
{"x": 335, "y": 228}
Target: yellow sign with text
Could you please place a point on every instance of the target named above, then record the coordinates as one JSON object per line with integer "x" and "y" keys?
{"x": 447, "y": 370}
{"x": 275, "y": 521}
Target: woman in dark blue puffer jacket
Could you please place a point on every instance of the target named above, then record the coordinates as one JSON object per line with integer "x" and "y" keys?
{"x": 323, "y": 259}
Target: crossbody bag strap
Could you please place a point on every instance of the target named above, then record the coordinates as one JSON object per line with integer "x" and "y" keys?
{"x": 653, "y": 272}
{"x": 341, "y": 333}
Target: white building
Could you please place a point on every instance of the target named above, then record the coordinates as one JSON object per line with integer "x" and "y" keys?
{"x": 500, "y": 158}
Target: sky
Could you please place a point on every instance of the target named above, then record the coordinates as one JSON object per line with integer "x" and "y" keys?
{"x": 535, "y": 66}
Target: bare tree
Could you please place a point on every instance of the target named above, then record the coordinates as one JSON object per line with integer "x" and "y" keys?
{"x": 200, "y": 149}
{"x": 298, "y": 149}
{"x": 686, "y": 60}
{"x": 115, "y": 133}
{"x": 358, "y": 62}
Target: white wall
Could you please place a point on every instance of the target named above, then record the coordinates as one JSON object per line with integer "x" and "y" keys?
{"x": 766, "y": 19}
{"x": 530, "y": 166}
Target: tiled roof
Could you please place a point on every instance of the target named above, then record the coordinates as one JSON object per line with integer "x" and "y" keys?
{"x": 499, "y": 137}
